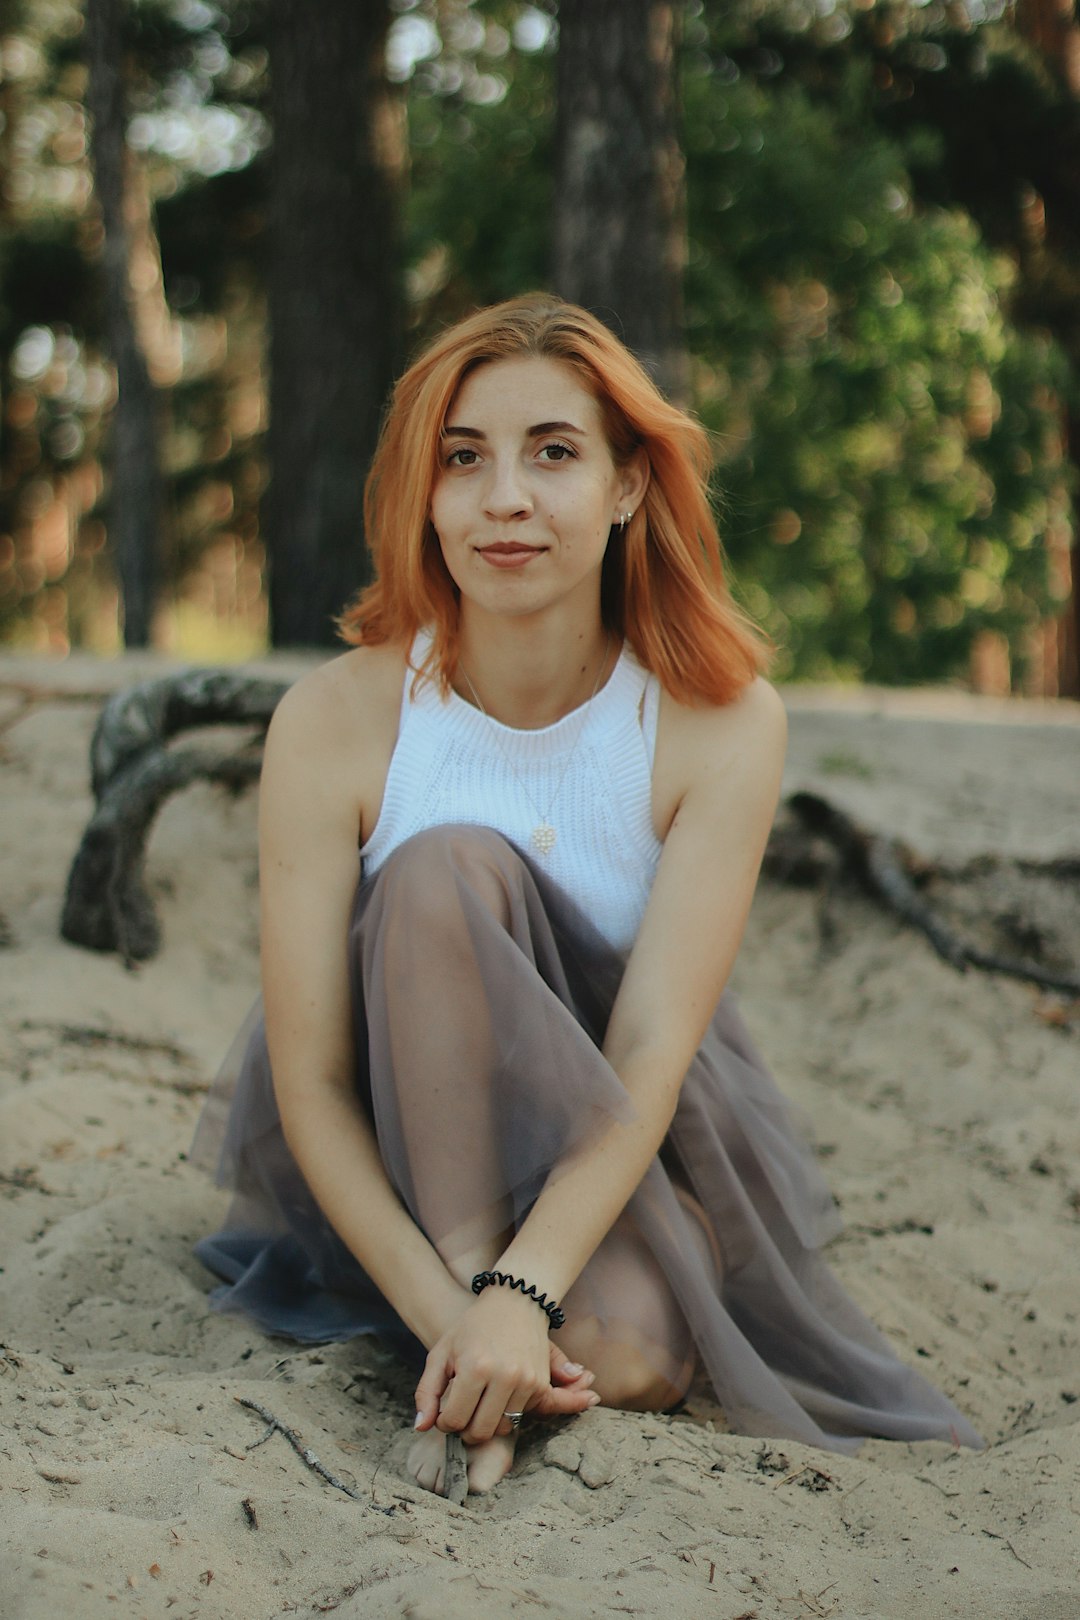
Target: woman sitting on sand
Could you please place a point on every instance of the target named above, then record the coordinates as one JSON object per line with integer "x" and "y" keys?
{"x": 513, "y": 1120}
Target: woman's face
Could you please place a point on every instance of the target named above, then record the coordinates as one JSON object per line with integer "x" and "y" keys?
{"x": 526, "y": 492}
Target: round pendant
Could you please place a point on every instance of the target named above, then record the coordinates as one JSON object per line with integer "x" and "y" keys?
{"x": 543, "y": 838}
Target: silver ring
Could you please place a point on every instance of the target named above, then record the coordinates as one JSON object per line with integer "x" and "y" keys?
{"x": 514, "y": 1419}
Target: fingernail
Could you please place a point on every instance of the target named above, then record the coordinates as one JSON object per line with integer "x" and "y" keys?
{"x": 590, "y": 1378}
{"x": 419, "y": 1420}
{"x": 594, "y": 1400}
{"x": 573, "y": 1368}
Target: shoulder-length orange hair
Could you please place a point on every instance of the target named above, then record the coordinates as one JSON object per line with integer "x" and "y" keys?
{"x": 663, "y": 587}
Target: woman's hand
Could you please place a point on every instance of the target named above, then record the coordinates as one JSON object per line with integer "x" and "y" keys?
{"x": 497, "y": 1358}
{"x": 571, "y": 1389}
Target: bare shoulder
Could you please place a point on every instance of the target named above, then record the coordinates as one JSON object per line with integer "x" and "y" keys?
{"x": 752, "y": 728}
{"x": 350, "y": 699}
{"x": 735, "y": 747}
{"x": 757, "y": 712}
{"x": 333, "y": 733}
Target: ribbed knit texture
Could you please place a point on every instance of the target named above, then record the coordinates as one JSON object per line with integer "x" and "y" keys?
{"x": 589, "y": 775}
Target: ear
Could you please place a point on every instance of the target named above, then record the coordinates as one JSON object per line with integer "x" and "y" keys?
{"x": 633, "y": 482}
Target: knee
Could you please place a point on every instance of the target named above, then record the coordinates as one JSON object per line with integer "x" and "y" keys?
{"x": 429, "y": 874}
{"x": 630, "y": 1374}
{"x": 633, "y": 1383}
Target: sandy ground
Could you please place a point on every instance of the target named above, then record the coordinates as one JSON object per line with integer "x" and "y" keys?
{"x": 947, "y": 1107}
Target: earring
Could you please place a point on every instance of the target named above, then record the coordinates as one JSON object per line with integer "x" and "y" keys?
{"x": 624, "y": 520}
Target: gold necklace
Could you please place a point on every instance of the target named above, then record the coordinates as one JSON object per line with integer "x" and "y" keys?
{"x": 544, "y": 836}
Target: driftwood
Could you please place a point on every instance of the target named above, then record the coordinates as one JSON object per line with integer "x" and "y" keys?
{"x": 134, "y": 771}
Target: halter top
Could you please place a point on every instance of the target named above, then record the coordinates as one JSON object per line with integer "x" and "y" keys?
{"x": 589, "y": 776}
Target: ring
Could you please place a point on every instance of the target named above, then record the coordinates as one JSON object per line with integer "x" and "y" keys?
{"x": 514, "y": 1419}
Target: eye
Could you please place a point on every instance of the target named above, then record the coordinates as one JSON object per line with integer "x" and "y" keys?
{"x": 464, "y": 456}
{"x": 557, "y": 452}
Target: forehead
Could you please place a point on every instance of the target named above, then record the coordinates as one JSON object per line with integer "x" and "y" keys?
{"x": 522, "y": 392}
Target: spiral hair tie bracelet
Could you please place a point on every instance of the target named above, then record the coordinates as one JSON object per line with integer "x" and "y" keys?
{"x": 503, "y": 1279}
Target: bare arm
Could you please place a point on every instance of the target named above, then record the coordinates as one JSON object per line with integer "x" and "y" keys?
{"x": 325, "y": 756}
{"x": 731, "y": 765}
{"x": 719, "y": 776}
{"x": 324, "y": 769}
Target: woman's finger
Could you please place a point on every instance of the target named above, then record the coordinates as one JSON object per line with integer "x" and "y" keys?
{"x": 434, "y": 1381}
{"x": 490, "y": 1416}
{"x": 459, "y": 1401}
{"x": 561, "y": 1402}
{"x": 564, "y": 1371}
{"x": 584, "y": 1380}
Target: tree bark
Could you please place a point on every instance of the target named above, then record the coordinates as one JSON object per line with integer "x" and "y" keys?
{"x": 333, "y": 301}
{"x": 620, "y": 228}
{"x": 1053, "y": 28}
{"x": 134, "y": 503}
{"x": 133, "y": 772}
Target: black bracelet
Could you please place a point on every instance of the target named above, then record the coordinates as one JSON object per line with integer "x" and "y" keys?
{"x": 485, "y": 1279}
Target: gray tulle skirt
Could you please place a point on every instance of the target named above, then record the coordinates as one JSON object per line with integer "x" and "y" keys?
{"x": 480, "y": 998}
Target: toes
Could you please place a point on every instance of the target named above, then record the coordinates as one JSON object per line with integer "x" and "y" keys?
{"x": 489, "y": 1463}
{"x": 427, "y": 1462}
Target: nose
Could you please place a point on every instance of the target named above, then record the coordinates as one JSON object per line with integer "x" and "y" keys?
{"x": 506, "y": 494}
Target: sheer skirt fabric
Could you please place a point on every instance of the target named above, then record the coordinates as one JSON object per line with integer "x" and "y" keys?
{"x": 480, "y": 998}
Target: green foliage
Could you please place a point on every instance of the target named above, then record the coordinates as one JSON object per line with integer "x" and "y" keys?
{"x": 892, "y": 479}
{"x": 472, "y": 240}
{"x": 891, "y": 464}
{"x": 196, "y": 82}
{"x": 480, "y": 116}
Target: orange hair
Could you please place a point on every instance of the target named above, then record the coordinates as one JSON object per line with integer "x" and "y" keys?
{"x": 663, "y": 585}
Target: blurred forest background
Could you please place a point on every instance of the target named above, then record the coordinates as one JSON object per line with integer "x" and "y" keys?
{"x": 847, "y": 232}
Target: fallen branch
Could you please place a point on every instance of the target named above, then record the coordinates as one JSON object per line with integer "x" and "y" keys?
{"x": 141, "y": 719}
{"x": 133, "y": 773}
{"x": 305, "y": 1453}
{"x": 883, "y": 867}
{"x": 455, "y": 1471}
{"x": 106, "y": 907}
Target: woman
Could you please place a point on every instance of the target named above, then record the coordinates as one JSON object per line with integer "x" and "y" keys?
{"x": 511, "y": 1116}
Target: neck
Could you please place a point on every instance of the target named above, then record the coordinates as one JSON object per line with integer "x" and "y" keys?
{"x": 531, "y": 676}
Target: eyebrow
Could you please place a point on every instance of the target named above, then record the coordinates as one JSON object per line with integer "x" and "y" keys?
{"x": 537, "y": 432}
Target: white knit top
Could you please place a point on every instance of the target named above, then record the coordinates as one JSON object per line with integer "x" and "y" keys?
{"x": 589, "y": 775}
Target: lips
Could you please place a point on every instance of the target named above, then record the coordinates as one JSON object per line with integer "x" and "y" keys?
{"x": 509, "y": 553}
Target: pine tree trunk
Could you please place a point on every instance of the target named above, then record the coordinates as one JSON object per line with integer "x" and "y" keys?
{"x": 135, "y": 490}
{"x": 333, "y": 301}
{"x": 1053, "y": 28}
{"x": 620, "y": 232}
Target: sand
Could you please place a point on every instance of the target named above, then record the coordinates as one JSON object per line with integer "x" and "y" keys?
{"x": 946, "y": 1106}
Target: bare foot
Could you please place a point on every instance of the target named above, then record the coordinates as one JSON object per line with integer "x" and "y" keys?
{"x": 487, "y": 1463}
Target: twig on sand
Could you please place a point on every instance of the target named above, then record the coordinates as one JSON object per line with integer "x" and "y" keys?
{"x": 937, "y": 1487}
{"x": 305, "y": 1453}
{"x": 456, "y": 1476}
{"x": 995, "y": 1537}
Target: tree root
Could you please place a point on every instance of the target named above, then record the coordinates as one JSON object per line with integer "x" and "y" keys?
{"x": 133, "y": 773}
{"x": 892, "y": 875}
